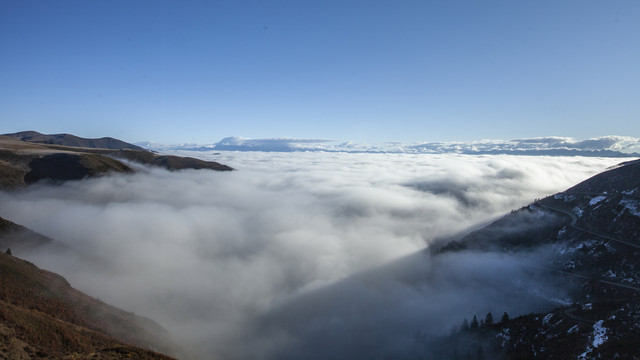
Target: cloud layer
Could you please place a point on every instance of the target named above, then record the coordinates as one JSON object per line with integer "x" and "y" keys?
{"x": 611, "y": 146}
{"x": 216, "y": 257}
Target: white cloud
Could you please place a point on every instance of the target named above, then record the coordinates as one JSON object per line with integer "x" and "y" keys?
{"x": 208, "y": 253}
{"x": 552, "y": 145}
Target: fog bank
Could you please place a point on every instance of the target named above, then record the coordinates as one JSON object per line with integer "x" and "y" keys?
{"x": 215, "y": 257}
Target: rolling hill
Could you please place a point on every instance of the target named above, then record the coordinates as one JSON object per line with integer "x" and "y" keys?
{"x": 32, "y": 157}
{"x": 73, "y": 141}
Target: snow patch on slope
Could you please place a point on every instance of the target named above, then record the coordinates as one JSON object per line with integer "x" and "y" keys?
{"x": 599, "y": 338}
{"x": 576, "y": 210}
{"x": 631, "y": 206}
{"x": 597, "y": 199}
{"x": 599, "y": 334}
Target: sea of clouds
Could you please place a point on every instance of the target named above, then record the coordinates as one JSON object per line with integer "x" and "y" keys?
{"x": 296, "y": 255}
{"x": 610, "y": 146}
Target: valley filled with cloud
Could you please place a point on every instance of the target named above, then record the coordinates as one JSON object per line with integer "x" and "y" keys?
{"x": 295, "y": 251}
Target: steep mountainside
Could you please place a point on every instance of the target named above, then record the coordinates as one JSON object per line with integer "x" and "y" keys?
{"x": 593, "y": 229}
{"x": 72, "y": 140}
{"x": 42, "y": 316}
{"x": 20, "y": 239}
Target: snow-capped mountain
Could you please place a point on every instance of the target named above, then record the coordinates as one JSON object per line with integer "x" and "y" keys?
{"x": 614, "y": 146}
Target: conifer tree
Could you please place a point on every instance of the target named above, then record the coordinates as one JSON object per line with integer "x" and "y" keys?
{"x": 474, "y": 323}
{"x": 488, "y": 320}
{"x": 465, "y": 325}
{"x": 505, "y": 318}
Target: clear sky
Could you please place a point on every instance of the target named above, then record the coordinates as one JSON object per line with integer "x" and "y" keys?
{"x": 198, "y": 71}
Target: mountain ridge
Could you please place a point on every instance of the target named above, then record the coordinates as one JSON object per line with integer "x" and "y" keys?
{"x": 24, "y": 162}
{"x": 72, "y": 140}
{"x": 595, "y": 236}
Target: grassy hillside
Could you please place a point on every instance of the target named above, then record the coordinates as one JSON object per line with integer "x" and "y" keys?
{"x": 25, "y": 162}
{"x": 72, "y": 140}
{"x": 42, "y": 316}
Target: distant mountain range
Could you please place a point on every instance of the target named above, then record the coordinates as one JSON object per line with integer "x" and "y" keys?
{"x": 606, "y": 146}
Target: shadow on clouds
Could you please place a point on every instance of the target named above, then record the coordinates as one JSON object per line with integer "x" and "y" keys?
{"x": 285, "y": 258}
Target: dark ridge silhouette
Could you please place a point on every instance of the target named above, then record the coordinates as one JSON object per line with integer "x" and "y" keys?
{"x": 170, "y": 162}
{"x": 65, "y": 166}
{"x": 621, "y": 178}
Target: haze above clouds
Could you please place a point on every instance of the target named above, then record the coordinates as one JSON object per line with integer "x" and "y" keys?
{"x": 230, "y": 262}
{"x": 551, "y": 145}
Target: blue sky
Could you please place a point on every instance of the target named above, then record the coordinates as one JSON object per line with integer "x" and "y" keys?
{"x": 198, "y": 71}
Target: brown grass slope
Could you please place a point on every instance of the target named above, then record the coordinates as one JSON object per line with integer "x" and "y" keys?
{"x": 25, "y": 162}
{"x": 169, "y": 162}
{"x": 123, "y": 150}
{"x": 42, "y": 316}
{"x": 22, "y": 163}
{"x": 21, "y": 239}
{"x": 72, "y": 140}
